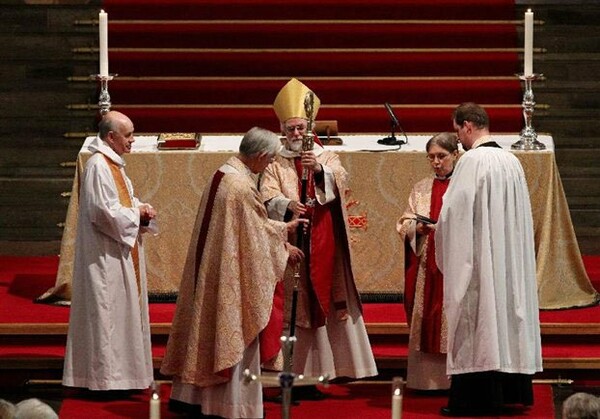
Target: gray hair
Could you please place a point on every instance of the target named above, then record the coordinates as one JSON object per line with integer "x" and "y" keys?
{"x": 581, "y": 406}
{"x": 7, "y": 409}
{"x": 34, "y": 409}
{"x": 259, "y": 141}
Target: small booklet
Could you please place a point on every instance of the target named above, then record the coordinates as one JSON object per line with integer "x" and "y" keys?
{"x": 425, "y": 220}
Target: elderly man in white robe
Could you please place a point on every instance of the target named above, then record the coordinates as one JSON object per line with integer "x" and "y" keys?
{"x": 108, "y": 344}
{"x": 485, "y": 249}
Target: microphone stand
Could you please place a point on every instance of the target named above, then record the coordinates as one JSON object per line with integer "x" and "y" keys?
{"x": 391, "y": 140}
{"x": 394, "y": 123}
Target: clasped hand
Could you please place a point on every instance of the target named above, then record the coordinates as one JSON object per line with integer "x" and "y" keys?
{"x": 147, "y": 213}
{"x": 309, "y": 160}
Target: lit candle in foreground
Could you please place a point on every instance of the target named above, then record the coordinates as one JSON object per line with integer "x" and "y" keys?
{"x": 528, "y": 65}
{"x": 103, "y": 25}
{"x": 154, "y": 402}
{"x": 397, "y": 384}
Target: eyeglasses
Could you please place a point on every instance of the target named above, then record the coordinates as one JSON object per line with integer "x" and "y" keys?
{"x": 439, "y": 156}
{"x": 292, "y": 128}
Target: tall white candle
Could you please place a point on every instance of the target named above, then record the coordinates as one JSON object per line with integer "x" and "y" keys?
{"x": 528, "y": 65}
{"x": 103, "y": 25}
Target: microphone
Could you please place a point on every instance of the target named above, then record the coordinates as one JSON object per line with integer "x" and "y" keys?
{"x": 393, "y": 118}
{"x": 392, "y": 140}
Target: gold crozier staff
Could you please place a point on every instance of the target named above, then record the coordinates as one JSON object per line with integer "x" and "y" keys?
{"x": 307, "y": 145}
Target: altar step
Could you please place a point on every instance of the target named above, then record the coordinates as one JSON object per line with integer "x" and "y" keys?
{"x": 414, "y": 91}
{"x": 342, "y": 43}
{"x": 41, "y": 346}
{"x": 351, "y": 118}
{"x": 201, "y": 104}
{"x": 342, "y": 62}
{"x": 266, "y": 34}
{"x": 313, "y": 9}
{"x": 33, "y": 336}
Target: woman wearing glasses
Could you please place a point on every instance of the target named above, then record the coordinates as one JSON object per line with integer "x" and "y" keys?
{"x": 423, "y": 285}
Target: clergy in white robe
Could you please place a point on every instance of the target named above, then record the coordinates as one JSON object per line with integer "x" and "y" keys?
{"x": 330, "y": 331}
{"x": 108, "y": 343}
{"x": 485, "y": 249}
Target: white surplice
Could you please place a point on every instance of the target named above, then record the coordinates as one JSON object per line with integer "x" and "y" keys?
{"x": 108, "y": 344}
{"x": 485, "y": 249}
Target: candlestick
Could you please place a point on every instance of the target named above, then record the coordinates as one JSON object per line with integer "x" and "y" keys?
{"x": 104, "y": 97}
{"x": 103, "y": 30}
{"x": 528, "y": 137}
{"x": 397, "y": 387}
{"x": 528, "y": 56}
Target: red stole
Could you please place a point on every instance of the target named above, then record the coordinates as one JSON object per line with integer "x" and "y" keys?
{"x": 433, "y": 293}
{"x": 321, "y": 255}
{"x": 270, "y": 337}
{"x": 214, "y": 186}
{"x": 411, "y": 269}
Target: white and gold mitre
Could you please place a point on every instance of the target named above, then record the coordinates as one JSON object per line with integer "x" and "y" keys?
{"x": 289, "y": 102}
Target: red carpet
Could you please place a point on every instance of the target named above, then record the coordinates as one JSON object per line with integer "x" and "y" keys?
{"x": 355, "y": 401}
{"x": 348, "y": 91}
{"x": 327, "y": 9}
{"x": 275, "y": 63}
{"x": 336, "y": 34}
{"x": 23, "y": 279}
{"x": 453, "y": 51}
{"x": 350, "y": 120}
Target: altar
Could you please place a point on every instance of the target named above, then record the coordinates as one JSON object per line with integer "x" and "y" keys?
{"x": 381, "y": 178}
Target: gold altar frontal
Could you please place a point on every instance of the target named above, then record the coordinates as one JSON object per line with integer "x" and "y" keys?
{"x": 380, "y": 183}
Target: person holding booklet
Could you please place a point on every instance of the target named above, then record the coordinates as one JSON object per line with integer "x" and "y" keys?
{"x": 423, "y": 286}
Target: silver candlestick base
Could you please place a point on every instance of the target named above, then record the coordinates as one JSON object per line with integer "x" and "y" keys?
{"x": 528, "y": 137}
{"x": 104, "y": 97}
{"x": 286, "y": 379}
